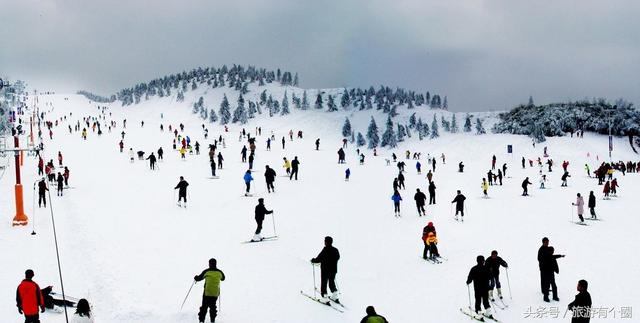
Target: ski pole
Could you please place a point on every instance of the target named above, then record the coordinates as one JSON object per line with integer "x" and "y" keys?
{"x": 188, "y": 292}
{"x": 469, "y": 294}
{"x": 508, "y": 283}
{"x": 274, "y": 224}
{"x": 33, "y": 231}
{"x": 314, "y": 280}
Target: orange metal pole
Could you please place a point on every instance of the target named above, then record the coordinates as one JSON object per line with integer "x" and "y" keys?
{"x": 20, "y": 218}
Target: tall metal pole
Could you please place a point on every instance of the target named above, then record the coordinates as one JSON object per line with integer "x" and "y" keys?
{"x": 20, "y": 218}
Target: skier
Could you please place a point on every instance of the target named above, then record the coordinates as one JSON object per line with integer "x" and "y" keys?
{"x": 433, "y": 164}
{"x": 160, "y": 153}
{"x": 42, "y": 188}
{"x": 493, "y": 162}
{"x": 373, "y": 317}
{"x": 197, "y": 145}
{"x": 260, "y": 212}
{"x": 543, "y": 179}
{"x": 549, "y": 269}
{"x": 318, "y": 144}
{"x": 418, "y": 167}
{"x": 294, "y": 168}
{"x": 283, "y": 141}
{"x": 586, "y": 168}
{"x": 564, "y": 178}
{"x": 220, "y": 159}
{"x": 396, "y": 198}
{"x": 152, "y": 161}
{"x": 429, "y": 176}
{"x": 268, "y": 143}
{"x": 341, "y": 156}
{"x": 485, "y": 187}
{"x": 504, "y": 170}
{"x": 460, "y": 167}
{"x": 580, "y": 204}
{"x": 430, "y": 242}
{"x": 525, "y": 184}
{"x": 480, "y": 276}
{"x": 347, "y": 174}
{"x": 83, "y": 312}
{"x": 212, "y": 277}
{"x": 494, "y": 262}
{"x": 614, "y": 186}
{"x": 131, "y": 154}
{"x": 344, "y": 143}
{"x": 426, "y": 231}
{"x": 60, "y": 181}
{"x": 459, "y": 201}
{"x": 213, "y": 167}
{"x": 287, "y": 165}
{"x": 251, "y": 158}
{"x": 401, "y": 181}
{"x": 328, "y": 260}
{"x": 523, "y": 162}
{"x": 592, "y": 205}
{"x": 420, "y": 198}
{"x": 270, "y": 177}
{"x": 362, "y": 159}
{"x": 182, "y": 191}
{"x": 606, "y": 190}
{"x": 29, "y": 298}
{"x": 490, "y": 177}
{"x": 432, "y": 193}
{"x": 66, "y": 174}
{"x": 40, "y": 166}
{"x": 59, "y": 158}
{"x": 581, "y": 305}
{"x": 243, "y": 153}
{"x": 500, "y": 176}
{"x": 247, "y": 181}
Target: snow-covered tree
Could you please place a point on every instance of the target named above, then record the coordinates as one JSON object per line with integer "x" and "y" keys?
{"x": 434, "y": 128}
{"x": 305, "y": 101}
{"x": 372, "y": 134}
{"x": 225, "y": 112}
{"x": 445, "y": 124}
{"x": 401, "y": 133}
{"x": 454, "y": 124}
{"x": 319, "y": 104}
{"x": 345, "y": 101}
{"x": 212, "y": 116}
{"x": 360, "y": 141}
{"x": 467, "y": 123}
{"x": 346, "y": 128}
{"x": 412, "y": 120}
{"x": 240, "y": 114}
{"x": 389, "y": 135}
{"x": 198, "y": 105}
{"x": 180, "y": 96}
{"x": 479, "y": 127}
{"x": 285, "y": 104}
{"x": 263, "y": 97}
{"x": 445, "y": 104}
{"x": 530, "y": 101}
{"x": 419, "y": 128}
{"x": 332, "y": 104}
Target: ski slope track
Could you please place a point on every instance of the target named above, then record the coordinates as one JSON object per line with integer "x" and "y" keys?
{"x": 132, "y": 252}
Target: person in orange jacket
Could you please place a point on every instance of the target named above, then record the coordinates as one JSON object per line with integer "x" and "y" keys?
{"x": 29, "y": 298}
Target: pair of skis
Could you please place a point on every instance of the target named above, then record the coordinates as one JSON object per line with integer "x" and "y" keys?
{"x": 468, "y": 312}
{"x": 271, "y": 238}
{"x": 334, "y": 304}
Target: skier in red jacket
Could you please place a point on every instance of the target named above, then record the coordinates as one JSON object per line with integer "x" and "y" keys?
{"x": 29, "y": 298}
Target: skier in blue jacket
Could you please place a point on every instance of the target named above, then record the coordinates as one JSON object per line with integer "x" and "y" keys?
{"x": 247, "y": 181}
{"x": 396, "y": 202}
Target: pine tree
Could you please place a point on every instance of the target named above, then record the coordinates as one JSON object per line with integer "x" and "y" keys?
{"x": 393, "y": 112}
{"x": 212, "y": 116}
{"x": 285, "y": 104}
{"x": 346, "y": 100}
{"x": 445, "y": 124}
{"x": 332, "y": 104}
{"x": 401, "y": 133}
{"x": 467, "y": 123}
{"x": 445, "y": 104}
{"x": 319, "y": 104}
{"x": 346, "y": 128}
{"x": 389, "y": 135}
{"x": 180, "y": 96}
{"x": 225, "y": 113}
{"x": 295, "y": 80}
{"x": 360, "y": 140}
{"x": 252, "y": 110}
{"x": 372, "y": 134}
{"x": 419, "y": 128}
{"x": 434, "y": 128}
{"x": 263, "y": 97}
{"x": 412, "y": 120}
{"x": 454, "y": 124}
{"x": 479, "y": 127}
{"x": 240, "y": 114}
{"x": 194, "y": 85}
{"x": 305, "y": 101}
{"x": 530, "y": 101}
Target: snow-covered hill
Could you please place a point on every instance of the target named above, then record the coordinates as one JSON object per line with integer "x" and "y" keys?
{"x": 127, "y": 248}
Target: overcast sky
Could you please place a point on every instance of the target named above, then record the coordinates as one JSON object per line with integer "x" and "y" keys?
{"x": 481, "y": 54}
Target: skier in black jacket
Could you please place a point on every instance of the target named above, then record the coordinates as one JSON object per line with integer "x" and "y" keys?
{"x": 328, "y": 260}
{"x": 432, "y": 193}
{"x": 592, "y": 205}
{"x": 479, "y": 275}
{"x": 420, "y": 198}
{"x": 401, "y": 181}
{"x": 493, "y": 263}
{"x": 542, "y": 251}
{"x": 182, "y": 190}
{"x": 160, "y": 153}
{"x": 295, "y": 163}
{"x": 269, "y": 177}
{"x": 525, "y": 189}
{"x": 459, "y": 201}
{"x": 260, "y": 212}
{"x": 549, "y": 269}
{"x": 42, "y": 189}
{"x": 581, "y": 305}
{"x": 152, "y": 161}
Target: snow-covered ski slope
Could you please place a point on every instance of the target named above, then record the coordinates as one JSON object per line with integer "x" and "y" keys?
{"x": 132, "y": 252}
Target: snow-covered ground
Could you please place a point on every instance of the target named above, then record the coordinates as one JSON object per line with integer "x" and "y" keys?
{"x": 127, "y": 247}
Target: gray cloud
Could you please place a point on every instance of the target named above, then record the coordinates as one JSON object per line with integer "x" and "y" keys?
{"x": 482, "y": 54}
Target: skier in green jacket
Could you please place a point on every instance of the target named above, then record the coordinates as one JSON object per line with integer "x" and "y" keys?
{"x": 212, "y": 277}
{"x": 373, "y": 317}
